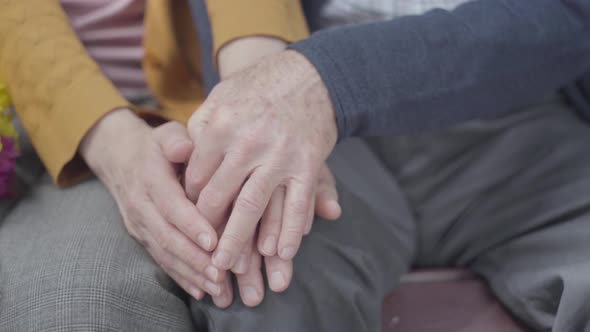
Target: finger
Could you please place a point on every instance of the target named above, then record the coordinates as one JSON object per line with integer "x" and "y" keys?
{"x": 204, "y": 160}
{"x": 278, "y": 272}
{"x": 192, "y": 281}
{"x": 212, "y": 272}
{"x": 227, "y": 295}
{"x": 178, "y": 269}
{"x": 174, "y": 141}
{"x": 188, "y": 287}
{"x": 242, "y": 223}
{"x": 270, "y": 226}
{"x": 206, "y": 157}
{"x": 251, "y": 284}
{"x": 326, "y": 202}
{"x": 243, "y": 262}
{"x": 172, "y": 204}
{"x": 221, "y": 190}
{"x": 295, "y": 216}
{"x": 171, "y": 241}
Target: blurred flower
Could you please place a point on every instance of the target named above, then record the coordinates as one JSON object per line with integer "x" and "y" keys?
{"x": 8, "y": 145}
{"x": 8, "y": 157}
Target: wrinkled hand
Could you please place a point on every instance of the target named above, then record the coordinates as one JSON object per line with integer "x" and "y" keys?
{"x": 278, "y": 271}
{"x": 265, "y": 130}
{"x": 248, "y": 274}
{"x": 126, "y": 155}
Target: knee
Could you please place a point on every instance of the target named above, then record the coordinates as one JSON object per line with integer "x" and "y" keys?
{"x": 107, "y": 291}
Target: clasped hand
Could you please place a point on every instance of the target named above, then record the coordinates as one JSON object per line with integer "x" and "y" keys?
{"x": 257, "y": 170}
{"x": 255, "y": 175}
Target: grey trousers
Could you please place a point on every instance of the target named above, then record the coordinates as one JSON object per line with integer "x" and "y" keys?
{"x": 508, "y": 198}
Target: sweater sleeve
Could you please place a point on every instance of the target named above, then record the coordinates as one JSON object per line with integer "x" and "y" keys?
{"x": 59, "y": 93}
{"x": 232, "y": 19}
{"x": 425, "y": 72}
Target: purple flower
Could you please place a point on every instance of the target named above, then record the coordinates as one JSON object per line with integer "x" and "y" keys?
{"x": 8, "y": 156}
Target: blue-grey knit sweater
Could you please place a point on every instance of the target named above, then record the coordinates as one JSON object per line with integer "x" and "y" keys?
{"x": 426, "y": 72}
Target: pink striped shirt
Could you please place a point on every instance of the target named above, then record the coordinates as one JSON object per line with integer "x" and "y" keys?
{"x": 112, "y": 32}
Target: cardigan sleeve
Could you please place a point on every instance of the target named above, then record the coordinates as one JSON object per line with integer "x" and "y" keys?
{"x": 231, "y": 19}
{"x": 58, "y": 91}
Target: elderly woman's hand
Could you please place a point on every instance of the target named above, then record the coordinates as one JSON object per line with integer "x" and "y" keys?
{"x": 126, "y": 154}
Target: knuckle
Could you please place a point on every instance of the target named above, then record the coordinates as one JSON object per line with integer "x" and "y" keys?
{"x": 133, "y": 209}
{"x": 234, "y": 240}
{"x": 164, "y": 261}
{"x": 198, "y": 279}
{"x": 293, "y": 232}
{"x": 221, "y": 119}
{"x": 200, "y": 265}
{"x": 236, "y": 157}
{"x": 299, "y": 207}
{"x": 211, "y": 200}
{"x": 167, "y": 212}
{"x": 250, "y": 203}
{"x": 163, "y": 241}
{"x": 182, "y": 255}
{"x": 195, "y": 181}
{"x": 258, "y": 186}
{"x": 304, "y": 178}
{"x": 250, "y": 141}
{"x": 271, "y": 221}
{"x": 134, "y": 218}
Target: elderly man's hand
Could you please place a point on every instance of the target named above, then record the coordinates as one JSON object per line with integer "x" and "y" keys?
{"x": 267, "y": 128}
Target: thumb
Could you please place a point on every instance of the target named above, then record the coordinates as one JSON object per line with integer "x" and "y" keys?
{"x": 174, "y": 141}
{"x": 326, "y": 204}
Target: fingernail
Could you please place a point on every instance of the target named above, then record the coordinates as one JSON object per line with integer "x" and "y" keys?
{"x": 269, "y": 245}
{"x": 287, "y": 253}
{"x": 222, "y": 260}
{"x": 222, "y": 301}
{"x": 336, "y": 207}
{"x": 250, "y": 295}
{"x": 277, "y": 280}
{"x": 204, "y": 240}
{"x": 242, "y": 264}
{"x": 212, "y": 273}
{"x": 197, "y": 293}
{"x": 212, "y": 288}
